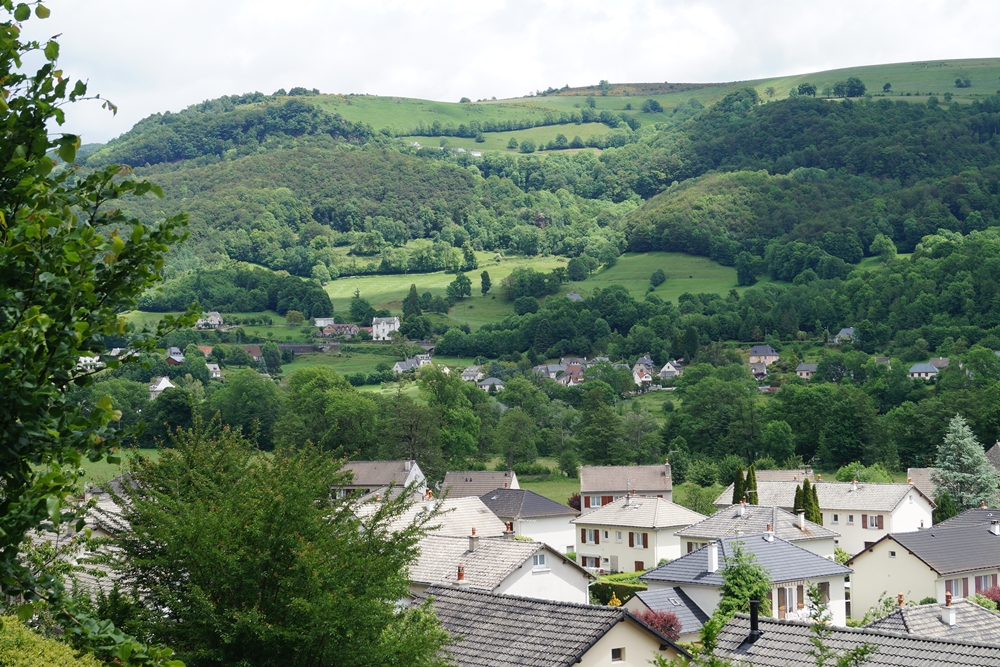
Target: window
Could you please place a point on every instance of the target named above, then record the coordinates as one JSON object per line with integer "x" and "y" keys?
{"x": 618, "y": 654}
{"x": 873, "y": 521}
{"x": 892, "y": 554}
{"x": 982, "y": 583}
{"x": 595, "y": 501}
{"x": 590, "y": 561}
{"x": 538, "y": 560}
{"x": 836, "y": 518}
{"x": 605, "y": 534}
{"x": 824, "y": 592}
{"x": 953, "y": 586}
{"x": 594, "y": 536}
{"x": 618, "y": 536}
{"x": 850, "y": 519}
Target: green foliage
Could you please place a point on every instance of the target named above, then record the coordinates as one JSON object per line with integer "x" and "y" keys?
{"x": 841, "y": 556}
{"x": 602, "y": 589}
{"x": 485, "y": 282}
{"x": 861, "y": 473}
{"x": 750, "y": 485}
{"x": 743, "y": 579}
{"x": 460, "y": 288}
{"x": 945, "y": 507}
{"x": 20, "y": 647}
{"x": 411, "y": 304}
{"x": 982, "y": 601}
{"x": 962, "y": 468}
{"x": 738, "y": 486}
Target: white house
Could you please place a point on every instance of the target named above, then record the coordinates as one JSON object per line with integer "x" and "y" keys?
{"x": 215, "y": 371}
{"x": 478, "y": 482}
{"x": 923, "y": 371}
{"x": 642, "y": 379}
{"x": 499, "y": 565}
{"x": 212, "y": 320}
{"x": 367, "y": 476}
{"x": 744, "y": 519}
{"x": 491, "y": 385}
{"x": 382, "y": 327}
{"x": 959, "y": 558}
{"x": 805, "y": 371}
{"x": 791, "y": 568}
{"x": 322, "y": 322}
{"x": 845, "y": 335}
{"x": 631, "y": 534}
{"x": 602, "y": 485}
{"x": 671, "y": 369}
{"x": 158, "y": 386}
{"x": 861, "y": 512}
{"x": 412, "y": 364}
{"x": 507, "y": 631}
{"x": 472, "y": 374}
{"x": 534, "y": 516}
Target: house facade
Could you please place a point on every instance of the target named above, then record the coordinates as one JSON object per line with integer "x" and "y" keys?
{"x": 632, "y": 534}
{"x": 763, "y": 354}
{"x": 603, "y": 485}
{"x": 346, "y": 330}
{"x": 671, "y": 369}
{"x": 534, "y": 516}
{"x": 490, "y": 385}
{"x": 382, "y": 327}
{"x": 214, "y": 371}
{"x": 211, "y": 320}
{"x": 805, "y": 371}
{"x": 158, "y": 386}
{"x": 472, "y": 374}
{"x": 323, "y": 322}
{"x": 923, "y": 371}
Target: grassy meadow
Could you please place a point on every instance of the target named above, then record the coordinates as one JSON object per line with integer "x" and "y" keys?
{"x": 497, "y": 141}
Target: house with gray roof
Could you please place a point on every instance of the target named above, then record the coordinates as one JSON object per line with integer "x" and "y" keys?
{"x": 806, "y": 371}
{"x": 960, "y": 621}
{"x": 845, "y": 335}
{"x": 472, "y": 374}
{"x": 573, "y": 296}
{"x": 923, "y": 371}
{"x": 744, "y": 519}
{"x": 978, "y": 516}
{"x": 922, "y": 479}
{"x": 958, "y": 559}
{"x": 174, "y": 356}
{"x": 499, "y": 565}
{"x": 791, "y": 568}
{"x": 550, "y": 371}
{"x": 382, "y": 327}
{"x": 478, "y": 482}
{"x": 861, "y": 512}
{"x": 534, "y": 516}
{"x": 764, "y": 354}
{"x": 674, "y": 601}
{"x": 631, "y": 534}
{"x": 367, "y": 476}
{"x": 602, "y": 485}
{"x": 490, "y": 385}
{"x": 671, "y": 369}
{"x": 513, "y": 631}
{"x": 993, "y": 454}
{"x": 158, "y": 385}
{"x": 783, "y": 643}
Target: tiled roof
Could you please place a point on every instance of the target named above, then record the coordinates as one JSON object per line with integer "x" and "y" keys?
{"x": 832, "y": 495}
{"x": 950, "y": 549}
{"x": 485, "y": 568}
{"x": 993, "y": 454}
{"x": 457, "y": 518}
{"x": 922, "y": 480}
{"x": 476, "y": 482}
{"x": 974, "y": 517}
{"x": 509, "y": 631}
{"x": 939, "y": 362}
{"x": 523, "y": 504}
{"x": 807, "y": 367}
{"x": 786, "y": 643}
{"x": 783, "y": 560}
{"x": 622, "y": 479}
{"x": 972, "y": 623}
{"x": 762, "y": 350}
{"x": 781, "y": 476}
{"x": 653, "y": 513}
{"x": 676, "y": 601}
{"x": 923, "y": 368}
{"x": 755, "y": 519}
{"x": 379, "y": 473}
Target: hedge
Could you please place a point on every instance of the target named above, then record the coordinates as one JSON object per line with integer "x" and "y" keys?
{"x": 20, "y": 647}
{"x": 601, "y": 590}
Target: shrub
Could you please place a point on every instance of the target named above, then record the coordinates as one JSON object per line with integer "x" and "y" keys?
{"x": 524, "y": 469}
{"x": 664, "y": 622}
{"x": 574, "y": 501}
{"x": 927, "y": 600}
{"x": 20, "y": 647}
{"x": 603, "y": 589}
{"x": 992, "y": 593}
{"x": 982, "y": 601}
{"x": 658, "y": 278}
{"x": 525, "y": 304}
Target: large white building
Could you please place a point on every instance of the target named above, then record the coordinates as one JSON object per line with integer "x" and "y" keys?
{"x": 382, "y": 327}
{"x": 603, "y": 485}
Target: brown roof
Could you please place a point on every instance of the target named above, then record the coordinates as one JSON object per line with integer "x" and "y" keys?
{"x": 622, "y": 479}
{"x": 922, "y": 480}
{"x": 379, "y": 473}
{"x": 477, "y": 482}
{"x": 993, "y": 454}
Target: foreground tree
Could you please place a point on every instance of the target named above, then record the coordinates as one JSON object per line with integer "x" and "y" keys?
{"x": 72, "y": 263}
{"x": 275, "y": 570}
{"x": 963, "y": 470}
{"x": 743, "y": 579}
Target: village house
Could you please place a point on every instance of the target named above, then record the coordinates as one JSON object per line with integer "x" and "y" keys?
{"x": 174, "y": 356}
{"x": 346, "y": 330}
{"x": 676, "y": 601}
{"x": 791, "y": 569}
{"x": 572, "y": 376}
{"x": 955, "y": 620}
{"x": 960, "y": 559}
{"x": 158, "y": 385}
{"x": 89, "y": 363}
{"x": 759, "y": 370}
{"x": 631, "y": 534}
{"x": 206, "y": 349}
{"x": 642, "y": 379}
{"x": 472, "y": 374}
{"x": 457, "y": 516}
{"x": 845, "y": 335}
{"x": 645, "y": 363}
{"x": 491, "y": 385}
{"x": 550, "y": 371}
{"x": 411, "y": 364}
{"x": 924, "y": 371}
{"x": 862, "y": 512}
{"x": 253, "y": 351}
{"x": 534, "y": 516}
{"x": 499, "y": 565}
{"x": 211, "y": 320}
{"x": 602, "y": 485}
{"x": 763, "y": 354}
{"x": 940, "y": 363}
{"x": 478, "y": 482}
{"x": 766, "y": 642}
{"x": 513, "y": 631}
{"x": 214, "y": 371}
{"x": 382, "y": 327}
{"x": 573, "y": 296}
{"x": 805, "y": 371}
{"x": 671, "y": 369}
{"x": 367, "y": 476}
{"x": 744, "y": 519}
{"x": 323, "y": 322}
{"x": 573, "y": 361}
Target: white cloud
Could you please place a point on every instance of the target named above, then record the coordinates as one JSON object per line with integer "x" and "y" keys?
{"x": 154, "y": 55}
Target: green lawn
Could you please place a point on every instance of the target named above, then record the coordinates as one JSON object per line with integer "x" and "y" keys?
{"x": 555, "y": 487}
{"x": 101, "y": 471}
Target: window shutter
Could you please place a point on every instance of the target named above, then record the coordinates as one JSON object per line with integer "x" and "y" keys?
{"x": 947, "y": 586}
{"x": 881, "y": 526}
{"x": 770, "y": 601}
{"x": 864, "y": 521}
{"x": 607, "y": 500}
{"x": 586, "y": 501}
{"x": 801, "y": 597}
{"x": 631, "y": 538}
{"x": 597, "y": 537}
{"x": 645, "y": 540}
{"x": 583, "y": 535}
{"x": 994, "y": 580}
{"x": 965, "y": 587}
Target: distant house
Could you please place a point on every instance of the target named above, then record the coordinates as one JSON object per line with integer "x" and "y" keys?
{"x": 253, "y": 351}
{"x": 759, "y": 370}
{"x": 499, "y": 565}
{"x": 89, "y": 363}
{"x": 211, "y": 320}
{"x": 206, "y": 349}
{"x": 478, "y": 482}
{"x": 572, "y": 376}
{"x": 962, "y": 621}
{"x": 573, "y": 361}
{"x": 382, "y": 327}
{"x": 476, "y": 153}
{"x": 472, "y": 374}
{"x": 791, "y": 569}
{"x": 457, "y": 518}
{"x": 805, "y": 371}
{"x": 323, "y": 322}
{"x": 550, "y": 371}
{"x": 642, "y": 378}
{"x": 215, "y": 371}
{"x": 512, "y": 631}
{"x": 414, "y": 144}
{"x": 939, "y": 363}
{"x": 671, "y": 369}
{"x": 645, "y": 363}
{"x": 845, "y": 335}
{"x": 174, "y": 356}
{"x": 631, "y": 534}
{"x": 158, "y": 386}
{"x": 763, "y": 354}
{"x": 602, "y": 485}
{"x": 345, "y": 330}
{"x": 923, "y": 371}
{"x": 490, "y": 385}
{"x": 534, "y": 516}
{"x": 744, "y": 519}
{"x": 573, "y": 296}
{"x": 412, "y": 364}
{"x": 367, "y": 476}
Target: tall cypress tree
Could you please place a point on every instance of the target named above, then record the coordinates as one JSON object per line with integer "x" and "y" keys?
{"x": 750, "y": 489}
{"x": 798, "y": 499}
{"x": 817, "y": 516}
{"x": 411, "y": 304}
{"x": 805, "y": 502}
{"x": 738, "y": 485}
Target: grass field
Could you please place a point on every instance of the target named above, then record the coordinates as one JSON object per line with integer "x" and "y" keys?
{"x": 101, "y": 471}
{"x": 555, "y": 487}
{"x": 497, "y": 141}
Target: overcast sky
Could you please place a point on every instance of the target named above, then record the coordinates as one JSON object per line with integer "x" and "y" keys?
{"x": 153, "y": 55}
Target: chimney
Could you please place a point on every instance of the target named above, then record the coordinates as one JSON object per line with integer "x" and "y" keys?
{"x": 899, "y": 599}
{"x": 819, "y": 478}
{"x": 909, "y": 480}
{"x": 982, "y": 504}
{"x": 854, "y": 485}
{"x": 769, "y": 534}
{"x": 754, "y": 622}
{"x": 460, "y": 581}
{"x": 506, "y": 485}
{"x": 802, "y": 520}
{"x": 666, "y": 466}
{"x": 713, "y": 557}
{"x": 509, "y": 532}
{"x": 948, "y": 612}
{"x": 743, "y": 508}
{"x": 407, "y": 465}
{"x": 795, "y": 478}
{"x": 473, "y": 540}
{"x": 995, "y": 527}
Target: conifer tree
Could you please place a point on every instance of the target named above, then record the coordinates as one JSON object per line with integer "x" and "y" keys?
{"x": 411, "y": 304}
{"x": 817, "y": 515}
{"x": 798, "y": 499}
{"x": 963, "y": 470}
{"x": 945, "y": 507}
{"x": 750, "y": 488}
{"x": 738, "y": 485}
{"x": 806, "y": 501}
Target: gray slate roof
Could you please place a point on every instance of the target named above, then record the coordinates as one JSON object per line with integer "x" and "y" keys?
{"x": 727, "y": 521}
{"x": 993, "y": 454}
{"x": 509, "y": 631}
{"x": 378, "y": 473}
{"x": 973, "y": 517}
{"x": 950, "y": 549}
{"x": 972, "y": 623}
{"x": 807, "y": 367}
{"x": 677, "y": 602}
{"x": 621, "y": 479}
{"x": 787, "y": 643}
{"x": 923, "y": 368}
{"x": 523, "y": 504}
{"x": 485, "y": 568}
{"x": 783, "y": 560}
{"x": 762, "y": 350}
{"x": 870, "y": 496}
{"x": 476, "y": 482}
{"x": 652, "y": 513}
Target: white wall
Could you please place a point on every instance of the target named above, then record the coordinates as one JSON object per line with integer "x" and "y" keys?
{"x": 904, "y": 518}
{"x": 668, "y": 544}
{"x": 640, "y": 647}
{"x": 662, "y": 544}
{"x": 876, "y": 572}
{"x": 555, "y": 531}
{"x": 558, "y": 581}
{"x": 909, "y": 514}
